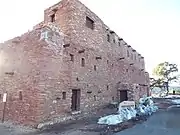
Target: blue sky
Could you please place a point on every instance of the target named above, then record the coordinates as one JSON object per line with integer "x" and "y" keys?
{"x": 152, "y": 27}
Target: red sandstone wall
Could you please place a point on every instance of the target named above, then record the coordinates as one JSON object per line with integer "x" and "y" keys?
{"x": 43, "y": 75}
{"x": 20, "y": 56}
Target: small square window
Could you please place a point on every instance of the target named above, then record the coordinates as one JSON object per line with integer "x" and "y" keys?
{"x": 119, "y": 43}
{"x": 114, "y": 40}
{"x": 77, "y": 79}
{"x": 83, "y": 62}
{"x": 127, "y": 53}
{"x": 95, "y": 68}
{"x": 89, "y": 23}
{"x": 20, "y": 95}
{"x": 108, "y": 37}
{"x": 64, "y": 95}
{"x": 72, "y": 57}
{"x": 107, "y": 87}
{"x": 94, "y": 98}
{"x": 53, "y": 18}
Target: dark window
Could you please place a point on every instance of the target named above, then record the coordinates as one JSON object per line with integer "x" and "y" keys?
{"x": 64, "y": 95}
{"x": 20, "y": 95}
{"x": 135, "y": 56}
{"x": 95, "y": 68}
{"x": 107, "y": 61}
{"x": 107, "y": 87}
{"x": 108, "y": 38}
{"x": 83, "y": 62}
{"x": 112, "y": 98}
{"x": 126, "y": 70}
{"x": 89, "y": 23}
{"x": 114, "y": 40}
{"x": 58, "y": 98}
{"x": 53, "y": 18}
{"x": 94, "y": 98}
{"x": 72, "y": 57}
{"x": 119, "y": 43}
{"x": 127, "y": 53}
{"x": 98, "y": 58}
{"x": 77, "y": 79}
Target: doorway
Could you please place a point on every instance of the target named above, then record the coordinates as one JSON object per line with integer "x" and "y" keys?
{"x": 123, "y": 95}
{"x": 75, "y": 104}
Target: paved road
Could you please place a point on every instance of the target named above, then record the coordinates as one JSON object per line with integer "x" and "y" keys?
{"x": 166, "y": 122}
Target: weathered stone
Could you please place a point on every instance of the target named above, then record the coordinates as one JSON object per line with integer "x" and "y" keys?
{"x": 43, "y": 68}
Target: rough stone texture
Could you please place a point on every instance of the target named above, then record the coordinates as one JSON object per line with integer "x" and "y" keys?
{"x": 38, "y": 63}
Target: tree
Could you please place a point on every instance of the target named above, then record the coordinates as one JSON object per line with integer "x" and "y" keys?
{"x": 156, "y": 83}
{"x": 166, "y": 74}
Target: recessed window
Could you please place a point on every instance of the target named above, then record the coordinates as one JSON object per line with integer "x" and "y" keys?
{"x": 89, "y": 23}
{"x": 112, "y": 98}
{"x": 119, "y": 43}
{"x": 20, "y": 95}
{"x": 107, "y": 87}
{"x": 135, "y": 57}
{"x": 94, "y": 98}
{"x": 108, "y": 37}
{"x": 83, "y": 62}
{"x": 114, "y": 40}
{"x": 107, "y": 61}
{"x": 95, "y": 68}
{"x": 52, "y": 18}
{"x": 58, "y": 98}
{"x": 77, "y": 79}
{"x": 126, "y": 70}
{"x": 72, "y": 57}
{"x": 98, "y": 58}
{"x": 127, "y": 53}
{"x": 64, "y": 95}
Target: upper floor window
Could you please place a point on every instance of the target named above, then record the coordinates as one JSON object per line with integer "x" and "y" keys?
{"x": 131, "y": 56}
{"x": 108, "y": 37}
{"x": 127, "y": 53}
{"x": 89, "y": 23}
{"x": 72, "y": 57}
{"x": 119, "y": 43}
{"x": 53, "y": 17}
{"x": 114, "y": 40}
{"x": 83, "y": 62}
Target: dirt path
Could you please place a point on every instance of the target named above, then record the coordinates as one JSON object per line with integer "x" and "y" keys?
{"x": 87, "y": 126}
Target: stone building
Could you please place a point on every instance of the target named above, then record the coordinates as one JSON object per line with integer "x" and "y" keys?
{"x": 70, "y": 62}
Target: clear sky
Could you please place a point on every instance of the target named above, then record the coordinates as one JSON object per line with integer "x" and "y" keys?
{"x": 152, "y": 27}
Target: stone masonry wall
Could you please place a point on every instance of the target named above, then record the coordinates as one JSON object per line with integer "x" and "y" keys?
{"x": 47, "y": 64}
